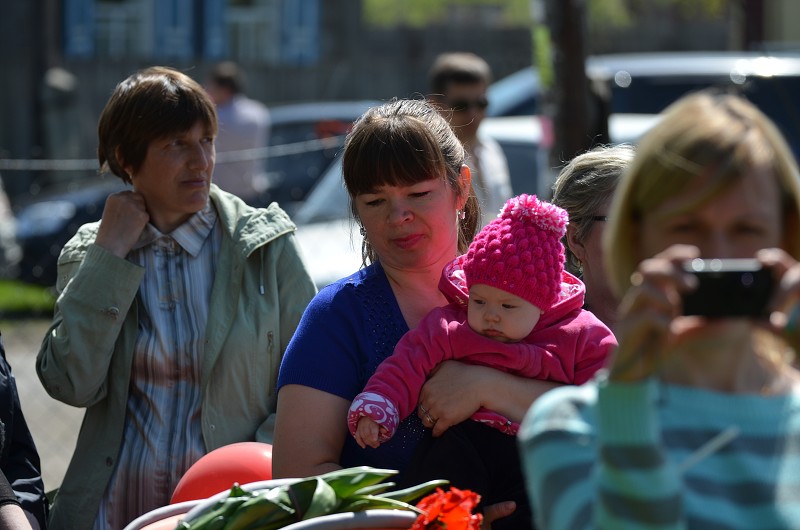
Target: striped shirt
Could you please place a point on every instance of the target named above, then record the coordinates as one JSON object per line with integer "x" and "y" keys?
{"x": 162, "y": 434}
{"x": 612, "y": 456}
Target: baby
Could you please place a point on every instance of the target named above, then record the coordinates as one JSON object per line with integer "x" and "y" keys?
{"x": 513, "y": 307}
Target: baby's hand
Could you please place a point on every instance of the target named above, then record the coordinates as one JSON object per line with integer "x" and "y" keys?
{"x": 367, "y": 432}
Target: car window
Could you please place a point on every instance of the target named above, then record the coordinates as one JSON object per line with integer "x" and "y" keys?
{"x": 776, "y": 96}
{"x": 328, "y": 200}
{"x": 514, "y": 95}
{"x": 298, "y": 159}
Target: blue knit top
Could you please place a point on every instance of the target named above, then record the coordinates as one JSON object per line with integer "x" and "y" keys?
{"x": 346, "y": 331}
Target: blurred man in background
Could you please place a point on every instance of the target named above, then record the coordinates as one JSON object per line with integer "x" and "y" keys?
{"x": 458, "y": 84}
{"x": 244, "y": 123}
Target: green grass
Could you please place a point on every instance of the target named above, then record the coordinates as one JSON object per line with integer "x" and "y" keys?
{"x": 22, "y": 299}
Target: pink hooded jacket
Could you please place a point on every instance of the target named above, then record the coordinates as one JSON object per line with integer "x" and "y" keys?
{"x": 568, "y": 345}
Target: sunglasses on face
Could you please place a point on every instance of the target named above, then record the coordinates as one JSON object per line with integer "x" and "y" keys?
{"x": 461, "y": 105}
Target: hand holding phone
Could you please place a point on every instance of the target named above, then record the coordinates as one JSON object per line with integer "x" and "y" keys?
{"x": 728, "y": 288}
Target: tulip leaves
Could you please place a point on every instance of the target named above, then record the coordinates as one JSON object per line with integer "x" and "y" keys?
{"x": 344, "y": 490}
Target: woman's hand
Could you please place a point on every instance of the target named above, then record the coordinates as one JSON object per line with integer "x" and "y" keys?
{"x": 450, "y": 395}
{"x": 785, "y": 303}
{"x": 455, "y": 391}
{"x": 497, "y": 511}
{"x": 645, "y": 325}
{"x": 124, "y": 218}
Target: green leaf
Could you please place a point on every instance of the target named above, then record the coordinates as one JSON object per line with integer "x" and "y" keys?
{"x": 237, "y": 491}
{"x": 312, "y": 497}
{"x": 358, "y": 503}
{"x": 220, "y": 509}
{"x": 346, "y": 482}
{"x": 268, "y": 505}
{"x": 375, "y": 489}
{"x": 414, "y": 492}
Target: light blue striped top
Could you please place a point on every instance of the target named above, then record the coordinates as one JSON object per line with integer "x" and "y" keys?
{"x": 162, "y": 436}
{"x": 619, "y": 456}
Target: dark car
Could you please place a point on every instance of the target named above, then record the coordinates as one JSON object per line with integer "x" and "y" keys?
{"x": 45, "y": 224}
{"x": 304, "y": 140}
{"x": 646, "y": 83}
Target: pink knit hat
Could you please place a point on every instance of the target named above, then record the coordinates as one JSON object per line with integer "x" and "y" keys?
{"x": 520, "y": 252}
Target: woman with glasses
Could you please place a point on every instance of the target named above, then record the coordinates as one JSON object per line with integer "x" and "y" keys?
{"x": 584, "y": 188}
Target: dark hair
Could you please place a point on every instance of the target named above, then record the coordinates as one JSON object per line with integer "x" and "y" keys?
{"x": 401, "y": 143}
{"x": 148, "y": 105}
{"x": 460, "y": 68}
{"x": 227, "y": 74}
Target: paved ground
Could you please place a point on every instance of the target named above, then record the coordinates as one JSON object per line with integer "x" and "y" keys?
{"x": 54, "y": 425}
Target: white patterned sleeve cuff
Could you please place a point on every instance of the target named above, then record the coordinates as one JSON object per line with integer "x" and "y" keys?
{"x": 376, "y": 407}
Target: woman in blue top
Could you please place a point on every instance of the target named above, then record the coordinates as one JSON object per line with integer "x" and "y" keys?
{"x": 405, "y": 172}
{"x": 697, "y": 422}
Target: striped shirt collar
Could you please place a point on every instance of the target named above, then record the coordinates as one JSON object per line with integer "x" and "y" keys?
{"x": 190, "y": 235}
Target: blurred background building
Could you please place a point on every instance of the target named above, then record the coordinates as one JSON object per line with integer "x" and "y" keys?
{"x": 61, "y": 58}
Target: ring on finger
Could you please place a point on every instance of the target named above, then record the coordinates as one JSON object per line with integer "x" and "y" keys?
{"x": 430, "y": 419}
{"x": 423, "y": 409}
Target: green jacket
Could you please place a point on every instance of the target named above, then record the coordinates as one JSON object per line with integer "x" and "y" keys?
{"x": 259, "y": 293}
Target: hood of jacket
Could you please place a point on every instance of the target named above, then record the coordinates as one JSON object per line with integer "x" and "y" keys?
{"x": 249, "y": 227}
{"x": 453, "y": 284}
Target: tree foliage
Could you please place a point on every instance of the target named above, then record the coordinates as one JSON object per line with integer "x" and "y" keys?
{"x": 420, "y": 13}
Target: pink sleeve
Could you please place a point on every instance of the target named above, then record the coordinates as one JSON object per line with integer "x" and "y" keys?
{"x": 400, "y": 376}
{"x": 569, "y": 352}
{"x": 595, "y": 345}
{"x": 380, "y": 409}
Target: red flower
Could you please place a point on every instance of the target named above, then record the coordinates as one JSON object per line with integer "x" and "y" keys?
{"x": 451, "y": 510}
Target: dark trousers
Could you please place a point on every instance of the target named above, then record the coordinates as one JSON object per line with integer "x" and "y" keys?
{"x": 479, "y": 458}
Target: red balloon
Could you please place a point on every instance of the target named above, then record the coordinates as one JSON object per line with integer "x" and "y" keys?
{"x": 242, "y": 462}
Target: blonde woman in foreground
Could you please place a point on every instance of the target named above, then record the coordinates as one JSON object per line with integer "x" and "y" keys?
{"x": 696, "y": 423}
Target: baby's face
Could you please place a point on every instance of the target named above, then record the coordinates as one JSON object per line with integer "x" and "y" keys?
{"x": 500, "y": 315}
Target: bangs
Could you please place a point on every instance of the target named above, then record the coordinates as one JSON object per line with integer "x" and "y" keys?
{"x": 172, "y": 108}
{"x": 391, "y": 152}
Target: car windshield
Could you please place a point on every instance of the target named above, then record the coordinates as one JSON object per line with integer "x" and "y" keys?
{"x": 775, "y": 96}
{"x": 328, "y": 200}
{"x": 514, "y": 95}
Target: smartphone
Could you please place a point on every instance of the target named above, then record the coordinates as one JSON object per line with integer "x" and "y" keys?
{"x": 728, "y": 288}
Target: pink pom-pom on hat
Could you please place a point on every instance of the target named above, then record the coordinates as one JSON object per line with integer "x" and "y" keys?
{"x": 521, "y": 252}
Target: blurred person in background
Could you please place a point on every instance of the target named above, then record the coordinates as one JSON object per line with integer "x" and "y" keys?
{"x": 244, "y": 123}
{"x": 21, "y": 481}
{"x": 173, "y": 311}
{"x": 584, "y": 188}
{"x": 459, "y": 82}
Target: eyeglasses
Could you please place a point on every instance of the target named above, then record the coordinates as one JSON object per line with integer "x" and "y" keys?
{"x": 461, "y": 105}
{"x": 599, "y": 218}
